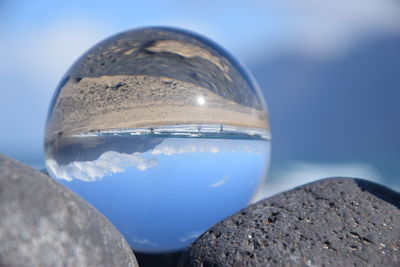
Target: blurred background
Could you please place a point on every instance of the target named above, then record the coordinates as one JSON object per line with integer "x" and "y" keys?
{"x": 329, "y": 71}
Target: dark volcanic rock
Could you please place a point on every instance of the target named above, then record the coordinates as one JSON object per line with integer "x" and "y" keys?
{"x": 332, "y": 222}
{"x": 44, "y": 224}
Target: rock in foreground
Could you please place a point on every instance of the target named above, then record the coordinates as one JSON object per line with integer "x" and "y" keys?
{"x": 331, "y": 222}
{"x": 44, "y": 224}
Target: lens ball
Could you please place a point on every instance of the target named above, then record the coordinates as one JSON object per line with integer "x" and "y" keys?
{"x": 161, "y": 130}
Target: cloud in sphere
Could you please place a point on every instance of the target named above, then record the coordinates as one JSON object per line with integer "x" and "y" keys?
{"x": 108, "y": 163}
{"x": 114, "y": 162}
{"x": 186, "y": 145}
{"x": 171, "y": 150}
{"x": 220, "y": 182}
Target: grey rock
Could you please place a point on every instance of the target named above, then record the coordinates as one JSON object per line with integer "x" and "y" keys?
{"x": 331, "y": 222}
{"x": 44, "y": 224}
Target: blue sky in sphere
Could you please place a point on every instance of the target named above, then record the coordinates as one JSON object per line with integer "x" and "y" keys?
{"x": 41, "y": 39}
{"x": 163, "y": 198}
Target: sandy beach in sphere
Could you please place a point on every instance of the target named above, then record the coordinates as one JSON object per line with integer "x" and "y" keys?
{"x": 135, "y": 101}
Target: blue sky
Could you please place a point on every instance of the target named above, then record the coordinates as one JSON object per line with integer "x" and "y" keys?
{"x": 158, "y": 196}
{"x": 41, "y": 39}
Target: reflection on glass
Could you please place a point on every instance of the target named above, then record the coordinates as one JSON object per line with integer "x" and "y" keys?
{"x": 161, "y": 130}
{"x": 164, "y": 194}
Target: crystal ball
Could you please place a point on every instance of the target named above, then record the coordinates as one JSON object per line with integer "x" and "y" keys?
{"x": 161, "y": 130}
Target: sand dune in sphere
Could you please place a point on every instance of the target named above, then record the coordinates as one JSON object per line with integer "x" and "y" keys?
{"x": 133, "y": 101}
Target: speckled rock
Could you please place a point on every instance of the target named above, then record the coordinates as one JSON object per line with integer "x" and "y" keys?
{"x": 331, "y": 222}
{"x": 44, "y": 224}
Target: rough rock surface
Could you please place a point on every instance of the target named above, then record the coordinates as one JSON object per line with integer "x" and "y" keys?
{"x": 44, "y": 224}
{"x": 331, "y": 222}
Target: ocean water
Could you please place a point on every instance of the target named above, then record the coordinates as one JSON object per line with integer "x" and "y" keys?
{"x": 161, "y": 191}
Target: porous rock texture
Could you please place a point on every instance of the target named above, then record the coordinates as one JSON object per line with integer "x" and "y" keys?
{"x": 331, "y": 222}
{"x": 44, "y": 224}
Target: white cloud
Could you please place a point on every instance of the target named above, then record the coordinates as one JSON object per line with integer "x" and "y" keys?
{"x": 43, "y": 54}
{"x": 298, "y": 173}
{"x": 171, "y": 150}
{"x": 34, "y": 62}
{"x": 144, "y": 242}
{"x": 113, "y": 162}
{"x": 220, "y": 182}
{"x": 108, "y": 163}
{"x": 325, "y": 29}
{"x": 186, "y": 145}
{"x": 53, "y": 49}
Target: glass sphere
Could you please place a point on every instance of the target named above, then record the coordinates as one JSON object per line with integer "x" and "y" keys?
{"x": 162, "y": 131}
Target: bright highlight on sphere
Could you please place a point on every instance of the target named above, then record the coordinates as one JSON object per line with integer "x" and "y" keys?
{"x": 201, "y": 100}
